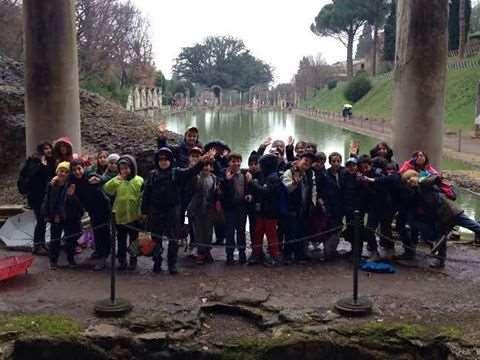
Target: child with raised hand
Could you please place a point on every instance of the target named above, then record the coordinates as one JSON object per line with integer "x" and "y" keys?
{"x": 162, "y": 202}
{"x": 127, "y": 187}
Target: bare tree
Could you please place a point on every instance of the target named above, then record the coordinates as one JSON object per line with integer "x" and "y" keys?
{"x": 462, "y": 36}
{"x": 11, "y": 29}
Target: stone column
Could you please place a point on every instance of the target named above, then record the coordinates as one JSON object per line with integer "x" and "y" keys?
{"x": 420, "y": 78}
{"x": 477, "y": 118}
{"x": 52, "y": 101}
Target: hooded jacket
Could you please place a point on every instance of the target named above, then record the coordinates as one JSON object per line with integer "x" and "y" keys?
{"x": 180, "y": 152}
{"x": 433, "y": 205}
{"x": 56, "y": 149}
{"x": 128, "y": 193}
{"x": 163, "y": 187}
{"x": 34, "y": 177}
{"x": 269, "y": 192}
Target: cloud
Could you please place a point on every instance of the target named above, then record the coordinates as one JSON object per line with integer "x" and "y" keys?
{"x": 278, "y": 32}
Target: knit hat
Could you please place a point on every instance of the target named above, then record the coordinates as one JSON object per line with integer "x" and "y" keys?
{"x": 253, "y": 158}
{"x": 65, "y": 165}
{"x": 113, "y": 158}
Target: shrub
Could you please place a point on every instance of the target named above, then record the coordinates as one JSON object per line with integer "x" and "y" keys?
{"x": 332, "y": 84}
{"x": 357, "y": 88}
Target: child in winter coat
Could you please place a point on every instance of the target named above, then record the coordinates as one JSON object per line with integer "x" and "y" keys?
{"x": 101, "y": 164}
{"x": 112, "y": 168}
{"x": 202, "y": 210}
{"x": 329, "y": 189}
{"x": 270, "y": 203}
{"x": 63, "y": 211}
{"x": 88, "y": 189}
{"x": 234, "y": 202}
{"x": 297, "y": 180}
{"x": 127, "y": 188}
{"x": 162, "y": 201}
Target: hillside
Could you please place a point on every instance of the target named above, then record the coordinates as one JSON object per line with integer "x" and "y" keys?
{"x": 460, "y": 101}
{"x": 105, "y": 125}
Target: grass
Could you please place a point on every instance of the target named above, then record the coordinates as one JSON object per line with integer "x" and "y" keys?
{"x": 460, "y": 99}
{"x": 43, "y": 325}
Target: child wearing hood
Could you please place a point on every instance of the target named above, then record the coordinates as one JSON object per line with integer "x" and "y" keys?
{"x": 63, "y": 150}
{"x": 127, "y": 188}
{"x": 270, "y": 203}
{"x": 63, "y": 211}
{"x": 162, "y": 202}
{"x": 201, "y": 211}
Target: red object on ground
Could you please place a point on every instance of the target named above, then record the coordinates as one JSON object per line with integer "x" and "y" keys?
{"x": 14, "y": 265}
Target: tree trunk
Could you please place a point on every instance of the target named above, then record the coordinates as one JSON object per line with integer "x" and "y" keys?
{"x": 420, "y": 78}
{"x": 461, "y": 33}
{"x": 351, "y": 38}
{"x": 374, "y": 50}
{"x": 52, "y": 101}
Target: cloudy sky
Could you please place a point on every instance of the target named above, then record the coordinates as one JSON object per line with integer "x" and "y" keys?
{"x": 275, "y": 31}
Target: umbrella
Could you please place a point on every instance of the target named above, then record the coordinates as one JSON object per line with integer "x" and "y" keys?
{"x": 17, "y": 232}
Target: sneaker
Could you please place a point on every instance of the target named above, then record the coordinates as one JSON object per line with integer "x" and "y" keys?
{"x": 374, "y": 256}
{"x": 242, "y": 258}
{"x": 476, "y": 242}
{"x": 209, "y": 258}
{"x": 272, "y": 262}
{"x": 94, "y": 256}
{"x": 230, "y": 261}
{"x": 53, "y": 266}
{"x": 437, "y": 263}
{"x": 200, "y": 260}
{"x": 100, "y": 265}
{"x": 133, "y": 263}
{"x": 389, "y": 253}
{"x": 122, "y": 265}
{"x": 72, "y": 264}
{"x": 254, "y": 260}
{"x": 172, "y": 269}
{"x": 157, "y": 267}
{"x": 40, "y": 250}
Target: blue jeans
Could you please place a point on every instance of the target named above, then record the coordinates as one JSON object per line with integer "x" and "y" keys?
{"x": 467, "y": 223}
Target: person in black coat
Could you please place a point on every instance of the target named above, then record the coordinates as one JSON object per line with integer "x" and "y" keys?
{"x": 97, "y": 204}
{"x": 270, "y": 196}
{"x": 37, "y": 172}
{"x": 161, "y": 204}
{"x": 64, "y": 212}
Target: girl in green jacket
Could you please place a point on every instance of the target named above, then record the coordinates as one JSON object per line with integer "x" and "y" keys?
{"x": 127, "y": 188}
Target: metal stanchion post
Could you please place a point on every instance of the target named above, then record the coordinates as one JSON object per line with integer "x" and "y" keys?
{"x": 355, "y": 306}
{"x": 113, "y": 307}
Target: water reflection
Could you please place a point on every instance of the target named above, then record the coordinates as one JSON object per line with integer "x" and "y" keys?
{"x": 245, "y": 130}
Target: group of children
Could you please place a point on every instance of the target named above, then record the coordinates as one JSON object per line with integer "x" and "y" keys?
{"x": 288, "y": 195}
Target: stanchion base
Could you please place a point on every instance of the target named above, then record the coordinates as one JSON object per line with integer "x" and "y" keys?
{"x": 348, "y": 307}
{"x": 108, "y": 309}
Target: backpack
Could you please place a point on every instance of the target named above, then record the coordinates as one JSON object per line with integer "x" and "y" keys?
{"x": 446, "y": 188}
{"x": 25, "y": 178}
